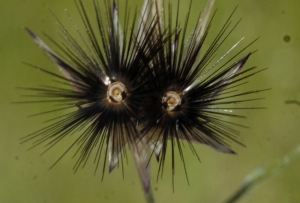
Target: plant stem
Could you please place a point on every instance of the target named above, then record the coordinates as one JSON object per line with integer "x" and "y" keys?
{"x": 150, "y": 196}
{"x": 141, "y": 154}
{"x": 259, "y": 174}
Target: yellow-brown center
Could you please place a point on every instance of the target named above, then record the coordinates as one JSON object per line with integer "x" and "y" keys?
{"x": 116, "y": 92}
{"x": 172, "y": 100}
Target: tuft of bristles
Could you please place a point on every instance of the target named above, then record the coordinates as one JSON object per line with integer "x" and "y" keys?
{"x": 151, "y": 88}
{"x": 103, "y": 83}
{"x": 192, "y": 95}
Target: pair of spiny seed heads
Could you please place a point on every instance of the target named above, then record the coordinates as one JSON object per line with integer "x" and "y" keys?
{"x": 151, "y": 87}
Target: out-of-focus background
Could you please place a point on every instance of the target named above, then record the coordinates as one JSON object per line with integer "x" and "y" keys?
{"x": 273, "y": 132}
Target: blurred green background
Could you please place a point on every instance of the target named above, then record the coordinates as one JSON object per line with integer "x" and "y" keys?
{"x": 24, "y": 175}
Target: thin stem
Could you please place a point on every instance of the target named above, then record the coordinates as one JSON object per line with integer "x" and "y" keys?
{"x": 259, "y": 174}
{"x": 141, "y": 154}
{"x": 150, "y": 196}
{"x": 292, "y": 102}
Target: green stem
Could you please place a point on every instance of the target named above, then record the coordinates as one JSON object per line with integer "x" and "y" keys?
{"x": 150, "y": 196}
{"x": 141, "y": 154}
{"x": 259, "y": 174}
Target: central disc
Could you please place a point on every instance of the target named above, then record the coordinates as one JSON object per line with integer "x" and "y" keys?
{"x": 171, "y": 100}
{"x": 116, "y": 92}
